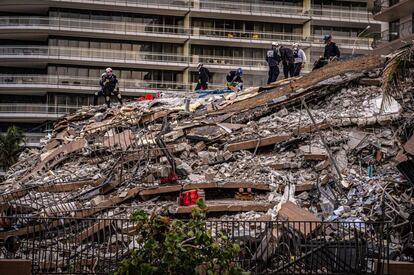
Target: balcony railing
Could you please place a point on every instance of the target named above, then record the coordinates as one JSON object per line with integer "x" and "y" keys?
{"x": 87, "y": 83}
{"x": 252, "y": 8}
{"x": 36, "y": 108}
{"x": 230, "y": 61}
{"x": 380, "y": 5}
{"x": 90, "y": 54}
{"x": 245, "y": 35}
{"x": 57, "y": 23}
{"x": 135, "y": 3}
{"x": 85, "y": 25}
{"x": 406, "y": 29}
{"x": 341, "y": 14}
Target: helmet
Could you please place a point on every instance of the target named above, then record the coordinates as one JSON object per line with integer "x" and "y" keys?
{"x": 103, "y": 75}
{"x": 295, "y": 45}
{"x": 275, "y": 44}
{"x": 199, "y": 66}
{"x": 108, "y": 70}
{"x": 239, "y": 71}
{"x": 327, "y": 37}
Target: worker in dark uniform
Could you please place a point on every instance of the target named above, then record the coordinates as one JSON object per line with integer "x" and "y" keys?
{"x": 109, "y": 85}
{"x": 331, "y": 49}
{"x": 203, "y": 77}
{"x": 273, "y": 58}
{"x": 234, "y": 80}
{"x": 288, "y": 61}
{"x": 331, "y": 53}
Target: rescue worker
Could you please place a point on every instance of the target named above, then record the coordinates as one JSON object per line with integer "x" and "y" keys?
{"x": 109, "y": 85}
{"x": 331, "y": 53}
{"x": 203, "y": 77}
{"x": 273, "y": 58}
{"x": 234, "y": 80}
{"x": 287, "y": 61}
{"x": 299, "y": 58}
{"x": 331, "y": 49}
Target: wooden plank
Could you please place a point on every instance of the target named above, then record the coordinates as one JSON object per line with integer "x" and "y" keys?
{"x": 92, "y": 230}
{"x": 68, "y": 186}
{"x": 310, "y": 129}
{"x": 160, "y": 190}
{"x": 252, "y": 144}
{"x": 203, "y": 185}
{"x": 227, "y": 206}
{"x": 318, "y": 157}
{"x": 302, "y": 220}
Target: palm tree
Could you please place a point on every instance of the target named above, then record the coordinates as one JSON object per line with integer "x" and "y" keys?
{"x": 396, "y": 68}
{"x": 11, "y": 146}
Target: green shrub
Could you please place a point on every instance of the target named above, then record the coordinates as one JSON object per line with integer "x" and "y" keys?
{"x": 170, "y": 246}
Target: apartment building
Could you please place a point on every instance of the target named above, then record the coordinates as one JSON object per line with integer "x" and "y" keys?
{"x": 52, "y": 52}
{"x": 397, "y": 17}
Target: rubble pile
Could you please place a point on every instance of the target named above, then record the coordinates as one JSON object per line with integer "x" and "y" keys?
{"x": 320, "y": 142}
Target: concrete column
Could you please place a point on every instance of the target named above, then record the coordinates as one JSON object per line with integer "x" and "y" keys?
{"x": 307, "y": 30}
{"x": 307, "y": 5}
{"x": 187, "y": 49}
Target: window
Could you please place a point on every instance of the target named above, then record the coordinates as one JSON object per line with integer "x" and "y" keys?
{"x": 394, "y": 30}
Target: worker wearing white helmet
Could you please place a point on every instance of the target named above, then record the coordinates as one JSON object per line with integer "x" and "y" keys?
{"x": 109, "y": 85}
{"x": 299, "y": 59}
{"x": 273, "y": 58}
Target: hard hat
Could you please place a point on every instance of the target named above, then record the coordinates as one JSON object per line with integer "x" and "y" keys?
{"x": 103, "y": 75}
{"x": 275, "y": 44}
{"x": 108, "y": 70}
{"x": 239, "y": 71}
{"x": 295, "y": 45}
{"x": 327, "y": 37}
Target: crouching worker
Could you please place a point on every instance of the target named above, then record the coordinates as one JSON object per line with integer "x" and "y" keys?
{"x": 203, "y": 77}
{"x": 109, "y": 85}
{"x": 234, "y": 80}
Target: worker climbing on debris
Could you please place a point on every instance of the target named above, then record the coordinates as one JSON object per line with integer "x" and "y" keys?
{"x": 234, "y": 80}
{"x": 203, "y": 77}
{"x": 331, "y": 49}
{"x": 299, "y": 59}
{"x": 331, "y": 53}
{"x": 109, "y": 85}
{"x": 273, "y": 58}
{"x": 287, "y": 61}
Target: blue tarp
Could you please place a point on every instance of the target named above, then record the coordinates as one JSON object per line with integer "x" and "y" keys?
{"x": 204, "y": 93}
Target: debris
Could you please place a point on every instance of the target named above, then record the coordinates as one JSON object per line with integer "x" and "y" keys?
{"x": 248, "y": 153}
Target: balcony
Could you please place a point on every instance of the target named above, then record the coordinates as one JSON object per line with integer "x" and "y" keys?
{"x": 218, "y": 63}
{"x": 220, "y": 37}
{"x": 390, "y": 10}
{"x": 391, "y": 40}
{"x": 250, "y": 11}
{"x": 91, "y": 57}
{"x": 345, "y": 16}
{"x": 17, "y": 27}
{"x": 40, "y": 84}
{"x": 164, "y": 7}
{"x": 32, "y": 112}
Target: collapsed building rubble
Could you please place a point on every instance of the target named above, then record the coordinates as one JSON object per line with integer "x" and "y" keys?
{"x": 319, "y": 143}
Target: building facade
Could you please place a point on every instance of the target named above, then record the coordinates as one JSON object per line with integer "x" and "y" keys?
{"x": 397, "y": 17}
{"x": 52, "y": 52}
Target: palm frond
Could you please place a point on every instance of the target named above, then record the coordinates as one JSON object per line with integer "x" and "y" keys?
{"x": 396, "y": 68}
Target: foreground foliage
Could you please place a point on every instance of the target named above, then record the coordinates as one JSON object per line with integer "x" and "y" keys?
{"x": 176, "y": 247}
{"x": 11, "y": 146}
